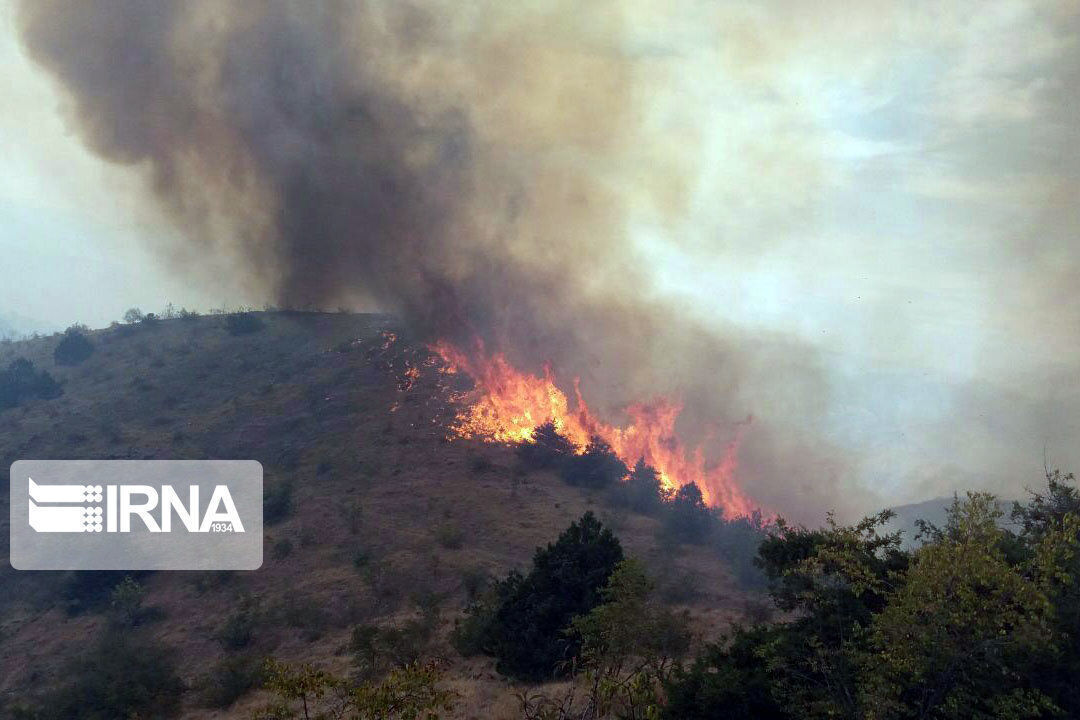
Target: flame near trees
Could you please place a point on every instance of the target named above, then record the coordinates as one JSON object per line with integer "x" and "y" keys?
{"x": 507, "y": 405}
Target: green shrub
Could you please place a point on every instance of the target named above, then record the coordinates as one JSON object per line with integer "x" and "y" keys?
{"x": 122, "y": 676}
{"x": 73, "y": 348}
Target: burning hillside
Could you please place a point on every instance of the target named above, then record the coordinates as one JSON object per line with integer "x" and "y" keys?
{"x": 507, "y": 405}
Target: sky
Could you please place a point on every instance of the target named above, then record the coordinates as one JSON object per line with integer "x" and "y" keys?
{"x": 893, "y": 186}
{"x": 73, "y": 233}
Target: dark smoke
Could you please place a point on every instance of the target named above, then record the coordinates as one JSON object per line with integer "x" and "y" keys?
{"x": 462, "y": 170}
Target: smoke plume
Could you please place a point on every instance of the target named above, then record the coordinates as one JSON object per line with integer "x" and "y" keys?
{"x": 525, "y": 173}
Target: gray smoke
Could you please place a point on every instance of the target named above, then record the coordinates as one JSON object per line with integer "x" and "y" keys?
{"x": 489, "y": 170}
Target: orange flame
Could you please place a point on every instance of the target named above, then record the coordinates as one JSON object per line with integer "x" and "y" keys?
{"x": 508, "y": 405}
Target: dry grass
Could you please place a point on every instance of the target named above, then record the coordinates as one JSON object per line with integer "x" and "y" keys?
{"x": 384, "y": 509}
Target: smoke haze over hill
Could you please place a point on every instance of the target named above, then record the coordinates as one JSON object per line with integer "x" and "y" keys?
{"x": 861, "y": 233}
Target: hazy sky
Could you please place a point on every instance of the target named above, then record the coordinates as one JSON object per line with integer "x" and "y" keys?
{"x": 895, "y": 185}
{"x": 72, "y": 228}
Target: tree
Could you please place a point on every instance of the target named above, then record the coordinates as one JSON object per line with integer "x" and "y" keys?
{"x": 521, "y": 621}
{"x": 133, "y": 315}
{"x": 628, "y": 644}
{"x": 956, "y": 638}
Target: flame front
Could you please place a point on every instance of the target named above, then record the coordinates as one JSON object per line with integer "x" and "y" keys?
{"x": 508, "y": 405}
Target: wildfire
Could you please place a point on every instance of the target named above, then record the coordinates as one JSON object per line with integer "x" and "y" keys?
{"x": 508, "y": 405}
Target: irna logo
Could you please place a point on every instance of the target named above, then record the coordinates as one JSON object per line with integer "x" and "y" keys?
{"x": 78, "y": 508}
{"x": 136, "y": 515}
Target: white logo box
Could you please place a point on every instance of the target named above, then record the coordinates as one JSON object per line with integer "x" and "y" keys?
{"x": 136, "y": 515}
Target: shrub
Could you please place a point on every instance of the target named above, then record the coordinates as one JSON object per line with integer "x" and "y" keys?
{"x": 688, "y": 519}
{"x": 243, "y": 323}
{"x": 597, "y": 468}
{"x": 278, "y": 502}
{"x": 229, "y": 680}
{"x": 239, "y": 628}
{"x": 449, "y": 536}
{"x": 21, "y": 382}
{"x": 73, "y": 348}
{"x": 126, "y": 601}
{"x": 281, "y": 549}
{"x": 522, "y": 620}
{"x": 547, "y": 449}
{"x": 642, "y": 491}
{"x": 123, "y": 676}
{"x": 133, "y": 315}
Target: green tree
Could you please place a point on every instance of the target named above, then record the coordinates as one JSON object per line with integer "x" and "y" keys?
{"x": 628, "y": 644}
{"x": 521, "y": 620}
{"x": 956, "y": 638}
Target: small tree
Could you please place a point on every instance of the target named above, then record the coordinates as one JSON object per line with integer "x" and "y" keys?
{"x": 133, "y": 316}
{"x": 126, "y": 601}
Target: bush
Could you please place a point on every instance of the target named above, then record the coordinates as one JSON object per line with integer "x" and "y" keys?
{"x": 281, "y": 549}
{"x": 243, "y": 323}
{"x": 522, "y": 620}
{"x": 597, "y": 468}
{"x": 123, "y": 676}
{"x": 688, "y": 519}
{"x": 449, "y": 536}
{"x": 133, "y": 316}
{"x": 239, "y": 628}
{"x": 21, "y": 382}
{"x": 126, "y": 601}
{"x": 642, "y": 491}
{"x": 546, "y": 449}
{"x": 73, "y": 348}
{"x": 229, "y": 680}
{"x": 277, "y": 503}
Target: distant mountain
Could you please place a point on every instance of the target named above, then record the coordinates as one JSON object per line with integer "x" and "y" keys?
{"x": 933, "y": 511}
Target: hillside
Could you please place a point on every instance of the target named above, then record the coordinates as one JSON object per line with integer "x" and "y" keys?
{"x": 371, "y": 511}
